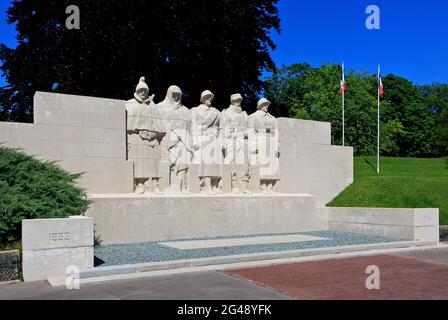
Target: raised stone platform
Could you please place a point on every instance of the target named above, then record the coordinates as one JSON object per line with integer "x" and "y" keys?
{"x": 238, "y": 242}
{"x": 407, "y": 224}
{"x": 137, "y": 219}
{"x": 136, "y": 271}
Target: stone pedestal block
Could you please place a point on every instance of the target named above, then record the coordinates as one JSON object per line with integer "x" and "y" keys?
{"x": 51, "y": 245}
{"x": 404, "y": 224}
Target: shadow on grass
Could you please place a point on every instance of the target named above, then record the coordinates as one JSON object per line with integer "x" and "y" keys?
{"x": 370, "y": 164}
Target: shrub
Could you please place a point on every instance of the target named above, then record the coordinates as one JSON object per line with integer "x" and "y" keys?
{"x": 33, "y": 189}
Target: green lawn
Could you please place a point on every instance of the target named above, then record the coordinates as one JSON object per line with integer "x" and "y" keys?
{"x": 402, "y": 183}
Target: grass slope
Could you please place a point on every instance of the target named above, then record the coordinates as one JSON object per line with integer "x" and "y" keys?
{"x": 403, "y": 183}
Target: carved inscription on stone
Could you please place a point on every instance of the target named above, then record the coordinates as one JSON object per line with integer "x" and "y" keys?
{"x": 59, "y": 236}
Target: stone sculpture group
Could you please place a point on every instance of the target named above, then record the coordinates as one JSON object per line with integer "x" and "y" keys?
{"x": 229, "y": 146}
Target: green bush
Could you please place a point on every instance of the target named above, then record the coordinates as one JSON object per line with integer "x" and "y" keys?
{"x": 33, "y": 189}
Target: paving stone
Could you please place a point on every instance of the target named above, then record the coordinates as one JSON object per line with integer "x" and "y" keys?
{"x": 400, "y": 278}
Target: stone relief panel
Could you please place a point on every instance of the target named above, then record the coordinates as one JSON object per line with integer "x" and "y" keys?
{"x": 235, "y": 144}
{"x": 207, "y": 147}
{"x": 176, "y": 146}
{"x": 144, "y": 134}
{"x": 264, "y": 148}
{"x": 202, "y": 149}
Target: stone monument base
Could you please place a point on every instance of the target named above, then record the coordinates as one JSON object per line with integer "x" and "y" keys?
{"x": 50, "y": 246}
{"x": 137, "y": 219}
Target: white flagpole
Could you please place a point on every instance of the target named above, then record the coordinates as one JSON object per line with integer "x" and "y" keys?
{"x": 343, "y": 106}
{"x": 378, "y": 136}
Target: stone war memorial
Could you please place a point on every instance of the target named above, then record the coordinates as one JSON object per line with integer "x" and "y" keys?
{"x": 194, "y": 180}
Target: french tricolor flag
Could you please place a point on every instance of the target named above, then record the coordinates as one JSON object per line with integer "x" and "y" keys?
{"x": 380, "y": 87}
{"x": 343, "y": 86}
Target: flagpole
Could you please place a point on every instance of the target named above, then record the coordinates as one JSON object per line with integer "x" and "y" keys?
{"x": 378, "y": 135}
{"x": 343, "y": 107}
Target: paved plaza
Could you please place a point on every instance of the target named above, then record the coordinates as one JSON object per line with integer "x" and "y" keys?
{"x": 421, "y": 274}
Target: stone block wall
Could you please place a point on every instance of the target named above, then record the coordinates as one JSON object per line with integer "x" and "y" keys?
{"x": 309, "y": 163}
{"x": 88, "y": 135}
{"x": 84, "y": 134}
{"x": 405, "y": 224}
{"x": 136, "y": 219}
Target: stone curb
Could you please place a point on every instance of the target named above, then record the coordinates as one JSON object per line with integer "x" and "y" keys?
{"x": 113, "y": 273}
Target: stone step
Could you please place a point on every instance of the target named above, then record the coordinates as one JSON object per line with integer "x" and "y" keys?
{"x": 238, "y": 242}
{"x": 113, "y": 273}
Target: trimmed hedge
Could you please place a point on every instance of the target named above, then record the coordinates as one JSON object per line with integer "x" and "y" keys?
{"x": 33, "y": 189}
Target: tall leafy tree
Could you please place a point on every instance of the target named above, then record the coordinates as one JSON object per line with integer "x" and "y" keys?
{"x": 408, "y": 106}
{"x": 285, "y": 88}
{"x": 221, "y": 45}
{"x": 312, "y": 93}
{"x": 436, "y": 99}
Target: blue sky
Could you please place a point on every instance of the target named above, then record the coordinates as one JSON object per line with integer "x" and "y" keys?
{"x": 412, "y": 42}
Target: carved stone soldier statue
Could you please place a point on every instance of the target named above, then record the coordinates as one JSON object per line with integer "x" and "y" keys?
{"x": 261, "y": 120}
{"x": 207, "y": 143}
{"x": 176, "y": 124}
{"x": 143, "y": 130}
{"x": 235, "y": 146}
{"x": 264, "y": 145}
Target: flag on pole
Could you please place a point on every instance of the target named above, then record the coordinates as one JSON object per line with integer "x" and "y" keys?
{"x": 380, "y": 86}
{"x": 342, "y": 89}
{"x": 380, "y": 95}
{"x": 343, "y": 86}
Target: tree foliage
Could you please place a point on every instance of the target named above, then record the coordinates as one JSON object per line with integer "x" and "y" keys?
{"x": 221, "y": 45}
{"x": 408, "y": 123}
{"x": 32, "y": 189}
{"x": 407, "y": 105}
{"x": 436, "y": 99}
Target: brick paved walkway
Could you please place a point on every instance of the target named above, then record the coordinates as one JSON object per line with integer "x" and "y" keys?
{"x": 401, "y": 278}
{"x": 421, "y": 274}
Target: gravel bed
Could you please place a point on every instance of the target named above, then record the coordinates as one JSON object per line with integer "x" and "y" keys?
{"x": 120, "y": 254}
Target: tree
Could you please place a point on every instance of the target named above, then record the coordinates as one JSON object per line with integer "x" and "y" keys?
{"x": 436, "y": 99}
{"x": 220, "y": 45}
{"x": 33, "y": 189}
{"x": 312, "y": 93}
{"x": 284, "y": 87}
{"x": 407, "y": 105}
{"x": 441, "y": 135}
